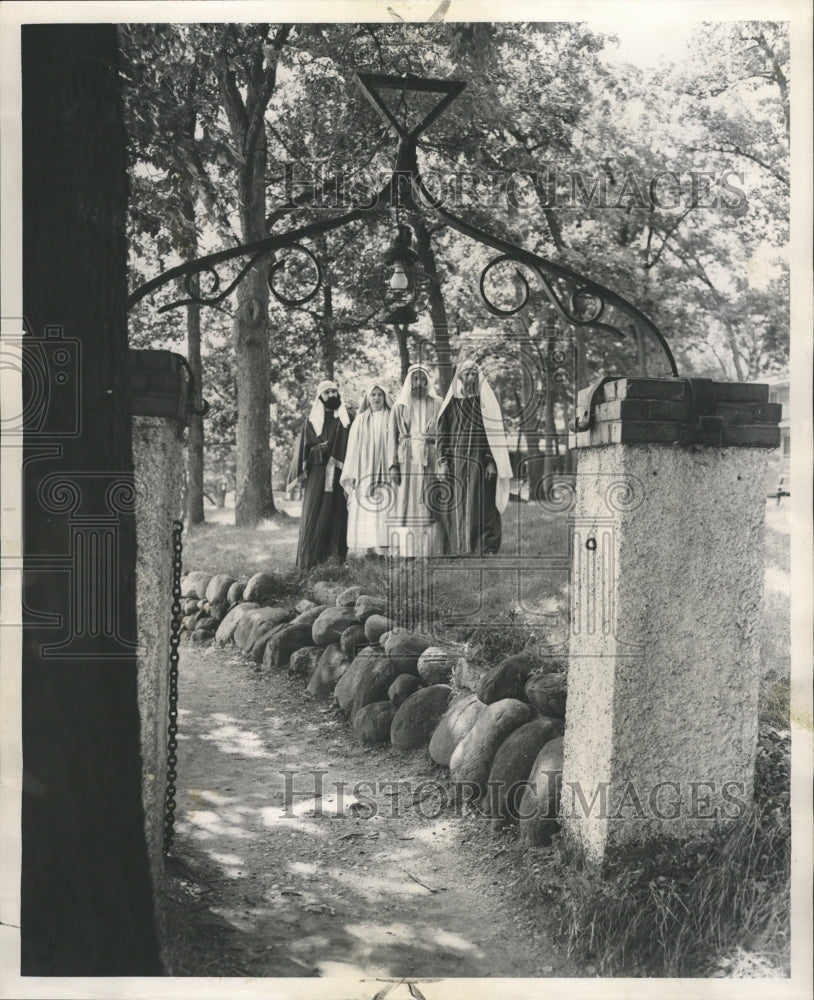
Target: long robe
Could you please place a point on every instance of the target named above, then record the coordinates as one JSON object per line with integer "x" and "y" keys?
{"x": 364, "y": 477}
{"x": 412, "y": 449}
{"x": 471, "y": 520}
{"x": 324, "y": 519}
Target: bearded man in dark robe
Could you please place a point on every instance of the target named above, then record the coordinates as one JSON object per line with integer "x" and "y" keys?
{"x": 317, "y": 462}
{"x": 473, "y": 461}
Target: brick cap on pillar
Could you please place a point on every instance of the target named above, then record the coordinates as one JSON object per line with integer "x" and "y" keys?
{"x": 676, "y": 411}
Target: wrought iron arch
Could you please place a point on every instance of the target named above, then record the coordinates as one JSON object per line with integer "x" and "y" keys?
{"x": 579, "y": 302}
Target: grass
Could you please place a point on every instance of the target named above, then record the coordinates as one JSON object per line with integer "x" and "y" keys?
{"x": 683, "y": 908}
{"x": 504, "y": 609}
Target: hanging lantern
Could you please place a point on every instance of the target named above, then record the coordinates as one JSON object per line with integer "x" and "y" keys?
{"x": 398, "y": 286}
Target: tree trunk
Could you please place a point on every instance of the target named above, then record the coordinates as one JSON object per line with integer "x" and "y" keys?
{"x": 194, "y": 485}
{"x": 552, "y": 459}
{"x": 86, "y": 895}
{"x": 253, "y": 497}
{"x": 404, "y": 349}
{"x": 328, "y": 337}
{"x": 529, "y": 416}
{"x": 194, "y": 504}
{"x": 438, "y": 311}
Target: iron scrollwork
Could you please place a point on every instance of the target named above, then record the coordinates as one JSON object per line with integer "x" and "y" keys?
{"x": 583, "y": 304}
{"x": 209, "y": 294}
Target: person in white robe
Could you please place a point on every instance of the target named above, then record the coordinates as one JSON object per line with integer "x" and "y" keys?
{"x": 365, "y": 477}
{"x": 411, "y": 454}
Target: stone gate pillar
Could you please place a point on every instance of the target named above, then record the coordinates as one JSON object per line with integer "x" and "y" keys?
{"x": 667, "y": 579}
{"x": 159, "y": 404}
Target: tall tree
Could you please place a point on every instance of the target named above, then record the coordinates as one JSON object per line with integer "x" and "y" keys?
{"x": 250, "y": 62}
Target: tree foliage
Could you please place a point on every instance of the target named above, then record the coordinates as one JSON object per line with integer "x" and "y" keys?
{"x": 670, "y": 187}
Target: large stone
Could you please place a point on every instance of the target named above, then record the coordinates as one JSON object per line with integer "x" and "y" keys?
{"x": 469, "y": 674}
{"x": 416, "y": 719}
{"x": 194, "y": 584}
{"x": 345, "y": 690}
{"x": 226, "y": 629}
{"x": 303, "y": 661}
{"x": 473, "y": 757}
{"x": 269, "y": 616}
{"x": 326, "y": 591}
{"x": 373, "y": 721}
{"x": 331, "y": 624}
{"x": 207, "y": 624}
{"x": 507, "y": 679}
{"x": 547, "y": 693}
{"x": 304, "y": 605}
{"x": 539, "y": 805}
{"x": 235, "y": 592}
{"x": 218, "y": 610}
{"x": 435, "y": 665}
{"x": 262, "y": 633}
{"x": 202, "y": 637}
{"x": 347, "y": 598}
{"x": 402, "y": 687}
{"x": 404, "y": 649}
{"x": 353, "y": 639}
{"x": 331, "y": 666}
{"x": 377, "y": 626}
{"x": 189, "y": 605}
{"x": 513, "y": 763}
{"x": 374, "y": 683}
{"x": 459, "y": 718}
{"x": 246, "y": 631}
{"x": 367, "y": 605}
{"x": 218, "y": 588}
{"x": 260, "y": 587}
{"x": 310, "y": 615}
{"x": 245, "y": 627}
{"x": 282, "y": 644}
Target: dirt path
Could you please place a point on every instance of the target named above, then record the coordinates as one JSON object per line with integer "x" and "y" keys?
{"x": 318, "y": 886}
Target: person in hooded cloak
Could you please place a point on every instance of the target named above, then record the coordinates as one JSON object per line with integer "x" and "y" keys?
{"x": 411, "y": 447}
{"x": 364, "y": 476}
{"x": 317, "y": 462}
{"x": 474, "y": 462}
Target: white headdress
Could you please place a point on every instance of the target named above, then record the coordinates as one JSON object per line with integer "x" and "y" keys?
{"x": 365, "y": 404}
{"x": 406, "y": 392}
{"x": 317, "y": 415}
{"x": 492, "y": 424}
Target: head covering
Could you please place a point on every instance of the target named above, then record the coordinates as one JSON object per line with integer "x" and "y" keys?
{"x": 365, "y": 460}
{"x": 492, "y": 424}
{"x": 405, "y": 395}
{"x": 365, "y": 404}
{"x": 317, "y": 415}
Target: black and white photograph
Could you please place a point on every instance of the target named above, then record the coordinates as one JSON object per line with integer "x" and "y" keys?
{"x": 406, "y": 473}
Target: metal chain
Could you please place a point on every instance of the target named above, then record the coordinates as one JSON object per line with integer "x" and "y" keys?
{"x": 172, "y": 728}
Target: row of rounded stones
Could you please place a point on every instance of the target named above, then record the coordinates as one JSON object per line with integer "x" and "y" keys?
{"x": 502, "y": 743}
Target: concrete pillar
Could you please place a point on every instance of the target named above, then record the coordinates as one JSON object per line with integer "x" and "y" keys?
{"x": 667, "y": 578}
{"x": 159, "y": 414}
